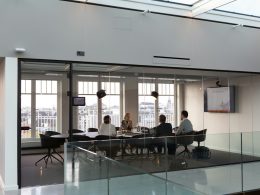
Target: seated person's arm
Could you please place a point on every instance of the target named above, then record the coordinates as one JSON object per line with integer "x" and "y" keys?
{"x": 157, "y": 131}
{"x": 130, "y": 125}
{"x": 100, "y": 129}
{"x": 122, "y": 125}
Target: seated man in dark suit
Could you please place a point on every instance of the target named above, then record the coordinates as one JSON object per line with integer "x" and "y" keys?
{"x": 164, "y": 129}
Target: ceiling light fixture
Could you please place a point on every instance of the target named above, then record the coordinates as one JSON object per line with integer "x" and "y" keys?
{"x": 101, "y": 93}
{"x": 155, "y": 94}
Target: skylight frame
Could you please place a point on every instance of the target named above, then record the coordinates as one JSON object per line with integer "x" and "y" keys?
{"x": 178, "y": 3}
{"x": 228, "y": 9}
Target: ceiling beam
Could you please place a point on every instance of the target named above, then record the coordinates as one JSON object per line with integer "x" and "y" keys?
{"x": 204, "y": 6}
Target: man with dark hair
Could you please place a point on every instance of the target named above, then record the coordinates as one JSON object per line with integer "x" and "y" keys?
{"x": 106, "y": 128}
{"x": 164, "y": 129}
{"x": 186, "y": 125}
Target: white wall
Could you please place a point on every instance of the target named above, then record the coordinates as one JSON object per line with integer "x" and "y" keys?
{"x": 224, "y": 129}
{"x": 56, "y": 30}
{"x": 131, "y": 98}
{"x": 8, "y": 124}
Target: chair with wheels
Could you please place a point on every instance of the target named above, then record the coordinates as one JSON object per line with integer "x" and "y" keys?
{"x": 185, "y": 141}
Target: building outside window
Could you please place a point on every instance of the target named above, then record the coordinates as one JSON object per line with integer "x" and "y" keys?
{"x": 92, "y": 114}
{"x": 88, "y": 115}
{"x": 38, "y": 107}
{"x": 150, "y": 108}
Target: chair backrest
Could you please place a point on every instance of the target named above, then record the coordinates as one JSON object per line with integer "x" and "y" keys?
{"x": 26, "y": 128}
{"x": 49, "y": 142}
{"x": 72, "y": 131}
{"x": 102, "y": 137}
{"x": 145, "y": 130}
{"x": 185, "y": 140}
{"x": 51, "y": 133}
{"x": 80, "y": 138}
{"x": 200, "y": 136}
{"x": 92, "y": 130}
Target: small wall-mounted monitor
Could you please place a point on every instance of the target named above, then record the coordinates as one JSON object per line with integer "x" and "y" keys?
{"x": 78, "y": 101}
{"x": 220, "y": 99}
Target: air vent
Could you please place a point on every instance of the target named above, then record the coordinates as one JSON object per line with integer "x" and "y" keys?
{"x": 176, "y": 61}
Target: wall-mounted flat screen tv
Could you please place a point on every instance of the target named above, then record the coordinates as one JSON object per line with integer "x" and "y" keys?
{"x": 78, "y": 101}
{"x": 220, "y": 100}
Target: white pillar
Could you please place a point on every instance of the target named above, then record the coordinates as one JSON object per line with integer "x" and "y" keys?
{"x": 8, "y": 123}
{"x": 131, "y": 98}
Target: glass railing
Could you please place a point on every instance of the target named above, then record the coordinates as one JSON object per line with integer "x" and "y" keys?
{"x": 206, "y": 163}
{"x": 92, "y": 173}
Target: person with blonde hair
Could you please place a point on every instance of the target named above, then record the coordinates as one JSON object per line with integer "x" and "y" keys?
{"x": 127, "y": 123}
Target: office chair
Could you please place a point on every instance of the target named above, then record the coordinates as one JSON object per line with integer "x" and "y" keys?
{"x": 107, "y": 144}
{"x": 92, "y": 130}
{"x": 145, "y": 130}
{"x": 185, "y": 140}
{"x": 77, "y": 138}
{"x": 50, "y": 144}
{"x": 139, "y": 142}
{"x": 72, "y": 131}
{"x": 51, "y": 133}
{"x": 200, "y": 136}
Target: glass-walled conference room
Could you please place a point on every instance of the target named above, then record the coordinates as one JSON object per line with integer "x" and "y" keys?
{"x": 45, "y": 99}
{"x": 73, "y": 101}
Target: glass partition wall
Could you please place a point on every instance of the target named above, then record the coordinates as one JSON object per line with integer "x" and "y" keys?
{"x": 117, "y": 109}
{"x": 44, "y": 100}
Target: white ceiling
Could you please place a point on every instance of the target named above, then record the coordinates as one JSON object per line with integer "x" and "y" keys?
{"x": 244, "y": 12}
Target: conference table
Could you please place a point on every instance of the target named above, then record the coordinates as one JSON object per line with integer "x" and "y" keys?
{"x": 95, "y": 134}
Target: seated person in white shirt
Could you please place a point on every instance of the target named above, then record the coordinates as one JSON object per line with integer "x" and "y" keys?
{"x": 106, "y": 128}
{"x": 185, "y": 126}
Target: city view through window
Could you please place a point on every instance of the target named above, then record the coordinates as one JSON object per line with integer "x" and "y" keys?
{"x": 39, "y": 100}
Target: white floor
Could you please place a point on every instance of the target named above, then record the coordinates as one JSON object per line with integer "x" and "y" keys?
{"x": 41, "y": 190}
{"x": 215, "y": 180}
{"x": 219, "y": 180}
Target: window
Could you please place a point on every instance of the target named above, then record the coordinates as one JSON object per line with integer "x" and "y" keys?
{"x": 166, "y": 101}
{"x": 111, "y": 102}
{"x": 185, "y": 2}
{"x": 249, "y": 7}
{"x": 146, "y": 108}
{"x": 88, "y": 115}
{"x": 92, "y": 114}
{"x": 46, "y": 106}
{"x": 150, "y": 108}
{"x": 26, "y": 106}
{"x": 38, "y": 106}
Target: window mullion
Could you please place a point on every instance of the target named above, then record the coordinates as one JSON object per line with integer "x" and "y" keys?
{"x": 33, "y": 109}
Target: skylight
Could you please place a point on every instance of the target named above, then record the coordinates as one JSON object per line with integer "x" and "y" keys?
{"x": 244, "y": 7}
{"x": 185, "y": 2}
